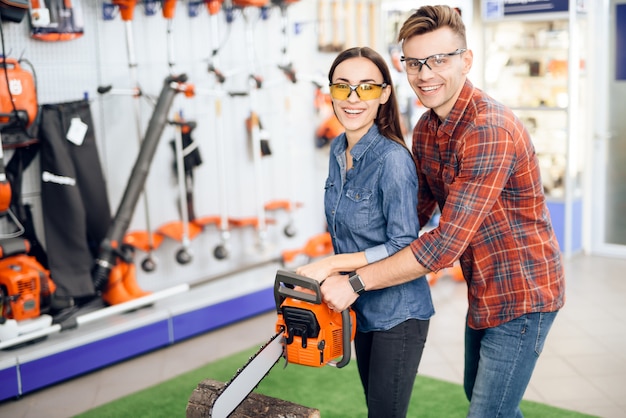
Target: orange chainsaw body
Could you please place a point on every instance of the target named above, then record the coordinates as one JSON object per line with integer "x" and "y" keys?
{"x": 23, "y": 284}
{"x": 312, "y": 332}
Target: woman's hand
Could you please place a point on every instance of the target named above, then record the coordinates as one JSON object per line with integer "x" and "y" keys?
{"x": 318, "y": 270}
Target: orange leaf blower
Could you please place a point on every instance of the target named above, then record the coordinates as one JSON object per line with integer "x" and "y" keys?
{"x": 25, "y": 285}
{"x": 18, "y": 99}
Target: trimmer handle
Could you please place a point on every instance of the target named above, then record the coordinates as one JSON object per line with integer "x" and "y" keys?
{"x": 283, "y": 288}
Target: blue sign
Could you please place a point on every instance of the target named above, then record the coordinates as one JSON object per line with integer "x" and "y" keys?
{"x": 620, "y": 42}
{"x": 499, "y": 8}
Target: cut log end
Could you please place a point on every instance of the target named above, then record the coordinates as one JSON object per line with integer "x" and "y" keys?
{"x": 255, "y": 405}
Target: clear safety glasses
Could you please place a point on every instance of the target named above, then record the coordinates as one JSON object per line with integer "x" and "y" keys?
{"x": 365, "y": 91}
{"x": 436, "y": 63}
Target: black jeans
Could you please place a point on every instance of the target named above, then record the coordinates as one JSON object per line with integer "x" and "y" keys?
{"x": 388, "y": 362}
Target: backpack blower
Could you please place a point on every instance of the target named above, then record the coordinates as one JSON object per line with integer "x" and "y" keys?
{"x": 25, "y": 285}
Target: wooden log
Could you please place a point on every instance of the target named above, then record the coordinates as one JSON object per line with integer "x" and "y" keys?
{"x": 255, "y": 405}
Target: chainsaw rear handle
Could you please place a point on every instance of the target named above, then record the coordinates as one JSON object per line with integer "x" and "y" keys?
{"x": 289, "y": 280}
{"x": 345, "y": 337}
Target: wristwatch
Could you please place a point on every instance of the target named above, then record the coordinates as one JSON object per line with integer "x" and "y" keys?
{"x": 356, "y": 282}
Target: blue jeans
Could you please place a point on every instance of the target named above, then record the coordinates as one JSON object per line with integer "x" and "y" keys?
{"x": 387, "y": 363}
{"x": 499, "y": 362}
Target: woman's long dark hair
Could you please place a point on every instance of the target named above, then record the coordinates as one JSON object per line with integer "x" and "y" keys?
{"x": 388, "y": 116}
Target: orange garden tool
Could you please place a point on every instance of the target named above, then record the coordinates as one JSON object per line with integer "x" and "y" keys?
{"x": 56, "y": 20}
{"x": 317, "y": 246}
{"x": 222, "y": 250}
{"x": 146, "y": 239}
{"x": 184, "y": 230}
{"x": 286, "y": 66}
{"x": 253, "y": 123}
{"x": 168, "y": 10}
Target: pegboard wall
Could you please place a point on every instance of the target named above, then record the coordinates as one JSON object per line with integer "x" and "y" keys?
{"x": 140, "y": 53}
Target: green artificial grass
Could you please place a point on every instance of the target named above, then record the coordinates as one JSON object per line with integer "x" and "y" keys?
{"x": 337, "y": 393}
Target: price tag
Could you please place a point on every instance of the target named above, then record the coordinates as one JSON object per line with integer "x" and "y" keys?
{"x": 76, "y": 133}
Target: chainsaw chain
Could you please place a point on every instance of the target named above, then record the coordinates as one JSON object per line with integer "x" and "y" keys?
{"x": 250, "y": 359}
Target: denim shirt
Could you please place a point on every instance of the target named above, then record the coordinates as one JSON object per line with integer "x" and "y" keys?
{"x": 373, "y": 208}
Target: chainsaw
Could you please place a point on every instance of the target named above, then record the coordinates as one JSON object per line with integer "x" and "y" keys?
{"x": 308, "y": 333}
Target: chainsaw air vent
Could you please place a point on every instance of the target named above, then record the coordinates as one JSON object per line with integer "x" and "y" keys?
{"x": 27, "y": 286}
{"x": 337, "y": 343}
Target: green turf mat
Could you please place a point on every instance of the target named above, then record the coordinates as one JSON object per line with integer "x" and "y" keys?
{"x": 335, "y": 392}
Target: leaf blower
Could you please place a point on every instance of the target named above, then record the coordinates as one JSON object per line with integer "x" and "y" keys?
{"x": 25, "y": 291}
{"x": 18, "y": 101}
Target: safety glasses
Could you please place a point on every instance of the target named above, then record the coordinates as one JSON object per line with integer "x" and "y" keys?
{"x": 365, "y": 91}
{"x": 436, "y": 63}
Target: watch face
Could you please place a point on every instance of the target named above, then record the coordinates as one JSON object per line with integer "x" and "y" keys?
{"x": 356, "y": 283}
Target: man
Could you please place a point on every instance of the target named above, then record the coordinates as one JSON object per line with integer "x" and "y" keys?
{"x": 476, "y": 161}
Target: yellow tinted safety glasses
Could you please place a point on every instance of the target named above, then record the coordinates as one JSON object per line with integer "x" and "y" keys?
{"x": 365, "y": 91}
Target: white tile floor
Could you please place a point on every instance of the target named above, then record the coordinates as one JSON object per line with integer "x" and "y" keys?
{"x": 583, "y": 366}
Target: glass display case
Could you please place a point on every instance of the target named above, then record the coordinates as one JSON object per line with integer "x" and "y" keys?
{"x": 526, "y": 67}
{"x": 535, "y": 64}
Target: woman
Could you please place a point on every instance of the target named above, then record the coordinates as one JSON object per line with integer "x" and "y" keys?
{"x": 370, "y": 203}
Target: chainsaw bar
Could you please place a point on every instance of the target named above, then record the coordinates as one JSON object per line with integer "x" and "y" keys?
{"x": 248, "y": 377}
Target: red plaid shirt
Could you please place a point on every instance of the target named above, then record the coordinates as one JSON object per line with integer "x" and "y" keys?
{"x": 480, "y": 167}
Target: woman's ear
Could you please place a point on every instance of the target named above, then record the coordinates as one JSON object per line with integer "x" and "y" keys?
{"x": 385, "y": 94}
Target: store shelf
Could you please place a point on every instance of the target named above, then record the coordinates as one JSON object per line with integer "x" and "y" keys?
{"x": 74, "y": 352}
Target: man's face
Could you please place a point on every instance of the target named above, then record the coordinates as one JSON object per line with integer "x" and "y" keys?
{"x": 437, "y": 87}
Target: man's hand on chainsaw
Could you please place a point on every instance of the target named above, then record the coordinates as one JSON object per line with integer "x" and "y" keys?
{"x": 338, "y": 293}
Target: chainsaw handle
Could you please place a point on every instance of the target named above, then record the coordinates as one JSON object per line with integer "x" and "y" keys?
{"x": 283, "y": 288}
{"x": 346, "y": 333}
{"x": 290, "y": 280}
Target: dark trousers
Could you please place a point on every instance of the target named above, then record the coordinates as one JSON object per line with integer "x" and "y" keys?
{"x": 75, "y": 205}
{"x": 388, "y": 362}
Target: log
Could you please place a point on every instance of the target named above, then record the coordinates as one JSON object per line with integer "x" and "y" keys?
{"x": 255, "y": 405}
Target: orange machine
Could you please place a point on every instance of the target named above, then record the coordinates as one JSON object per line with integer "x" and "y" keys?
{"x": 25, "y": 286}
{"x": 18, "y": 100}
{"x": 313, "y": 334}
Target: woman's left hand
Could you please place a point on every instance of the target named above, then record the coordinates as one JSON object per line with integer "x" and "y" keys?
{"x": 317, "y": 270}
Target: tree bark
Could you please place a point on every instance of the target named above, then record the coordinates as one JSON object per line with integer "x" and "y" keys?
{"x": 254, "y": 406}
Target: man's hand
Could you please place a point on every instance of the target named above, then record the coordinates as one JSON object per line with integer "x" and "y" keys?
{"x": 338, "y": 293}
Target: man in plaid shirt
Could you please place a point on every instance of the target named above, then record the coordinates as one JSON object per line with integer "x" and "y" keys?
{"x": 476, "y": 162}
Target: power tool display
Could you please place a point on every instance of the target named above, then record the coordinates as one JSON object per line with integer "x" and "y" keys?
{"x": 308, "y": 333}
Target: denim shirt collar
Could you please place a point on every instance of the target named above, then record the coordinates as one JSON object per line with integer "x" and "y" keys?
{"x": 371, "y": 137}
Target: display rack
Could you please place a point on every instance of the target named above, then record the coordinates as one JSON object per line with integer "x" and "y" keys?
{"x": 534, "y": 62}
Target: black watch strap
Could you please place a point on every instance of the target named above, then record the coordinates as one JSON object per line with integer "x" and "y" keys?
{"x": 356, "y": 282}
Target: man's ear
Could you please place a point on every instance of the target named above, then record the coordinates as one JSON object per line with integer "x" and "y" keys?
{"x": 468, "y": 60}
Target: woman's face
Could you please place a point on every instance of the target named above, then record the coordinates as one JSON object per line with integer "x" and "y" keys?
{"x": 357, "y": 114}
